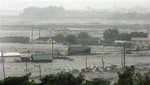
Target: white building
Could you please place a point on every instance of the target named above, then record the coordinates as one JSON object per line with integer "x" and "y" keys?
{"x": 140, "y": 42}
{"x": 11, "y": 57}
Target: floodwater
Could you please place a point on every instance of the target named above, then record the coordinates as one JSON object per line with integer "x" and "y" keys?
{"x": 111, "y": 56}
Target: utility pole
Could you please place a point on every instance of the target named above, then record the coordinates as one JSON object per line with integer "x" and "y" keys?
{"x": 26, "y": 64}
{"x": 86, "y": 62}
{"x": 3, "y": 66}
{"x": 124, "y": 54}
{"x": 52, "y": 48}
{"x": 122, "y": 62}
{"x": 31, "y": 33}
{"x": 40, "y": 71}
{"x": 102, "y": 63}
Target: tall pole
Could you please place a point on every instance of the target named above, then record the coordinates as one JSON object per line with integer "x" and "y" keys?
{"x": 31, "y": 33}
{"x": 86, "y": 62}
{"x": 103, "y": 62}
{"x": 52, "y": 48}
{"x": 122, "y": 64}
{"x": 26, "y": 64}
{"x": 32, "y": 38}
{"x": 40, "y": 71}
{"x": 124, "y": 54}
{"x": 3, "y": 66}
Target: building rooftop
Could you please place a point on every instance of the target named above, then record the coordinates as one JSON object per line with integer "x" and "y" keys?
{"x": 140, "y": 39}
{"x": 11, "y": 54}
{"x": 43, "y": 38}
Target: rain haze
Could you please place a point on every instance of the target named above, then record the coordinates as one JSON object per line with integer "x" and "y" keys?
{"x": 92, "y": 38}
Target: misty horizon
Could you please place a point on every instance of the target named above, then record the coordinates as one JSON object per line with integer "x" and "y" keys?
{"x": 73, "y": 4}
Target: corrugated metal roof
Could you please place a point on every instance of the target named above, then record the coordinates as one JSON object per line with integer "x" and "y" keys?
{"x": 42, "y": 56}
{"x": 43, "y": 38}
{"x": 121, "y": 41}
{"x": 11, "y": 54}
{"x": 79, "y": 49}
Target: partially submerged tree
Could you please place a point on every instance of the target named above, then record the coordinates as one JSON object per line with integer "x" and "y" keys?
{"x": 110, "y": 35}
{"x": 59, "y": 38}
{"x": 129, "y": 77}
{"x": 83, "y": 35}
{"x": 71, "y": 39}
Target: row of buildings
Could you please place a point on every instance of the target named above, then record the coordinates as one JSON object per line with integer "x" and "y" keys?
{"x": 137, "y": 43}
{"x": 44, "y": 57}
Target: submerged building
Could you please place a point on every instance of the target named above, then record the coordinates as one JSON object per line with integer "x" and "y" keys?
{"x": 11, "y": 57}
{"x": 41, "y": 57}
{"x": 74, "y": 50}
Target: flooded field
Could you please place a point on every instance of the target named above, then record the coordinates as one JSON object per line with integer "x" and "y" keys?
{"x": 75, "y": 64}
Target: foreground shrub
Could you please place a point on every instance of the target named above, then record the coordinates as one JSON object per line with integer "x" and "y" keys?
{"x": 24, "y": 80}
{"x": 97, "y": 81}
{"x": 62, "y": 79}
{"x": 129, "y": 77}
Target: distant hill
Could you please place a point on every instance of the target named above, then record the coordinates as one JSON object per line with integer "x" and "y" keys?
{"x": 60, "y": 12}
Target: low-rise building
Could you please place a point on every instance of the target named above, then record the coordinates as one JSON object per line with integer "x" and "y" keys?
{"x": 74, "y": 50}
{"x": 140, "y": 42}
{"x": 43, "y": 40}
{"x": 11, "y": 57}
{"x": 41, "y": 57}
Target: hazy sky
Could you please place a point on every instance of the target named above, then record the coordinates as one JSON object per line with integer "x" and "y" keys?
{"x": 72, "y": 4}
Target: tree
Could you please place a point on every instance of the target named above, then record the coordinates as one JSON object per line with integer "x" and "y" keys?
{"x": 126, "y": 77}
{"x": 129, "y": 77}
{"x": 24, "y": 80}
{"x": 137, "y": 34}
{"x": 83, "y": 35}
{"x": 59, "y": 38}
{"x": 110, "y": 35}
{"x": 124, "y": 36}
{"x": 71, "y": 39}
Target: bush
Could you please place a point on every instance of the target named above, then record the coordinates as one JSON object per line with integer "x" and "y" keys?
{"x": 129, "y": 77}
{"x": 62, "y": 79}
{"x": 97, "y": 81}
{"x": 24, "y": 80}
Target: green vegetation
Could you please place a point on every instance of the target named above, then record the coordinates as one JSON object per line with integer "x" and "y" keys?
{"x": 62, "y": 79}
{"x": 24, "y": 80}
{"x": 82, "y": 38}
{"x": 59, "y": 38}
{"x": 127, "y": 77}
{"x": 83, "y": 35}
{"x": 110, "y": 36}
{"x": 71, "y": 39}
